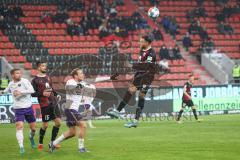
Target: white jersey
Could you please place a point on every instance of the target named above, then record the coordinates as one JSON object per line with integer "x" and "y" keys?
{"x": 89, "y": 92}
{"x": 73, "y": 94}
{"x": 26, "y": 89}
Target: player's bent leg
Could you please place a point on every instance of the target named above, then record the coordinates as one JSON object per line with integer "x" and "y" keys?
{"x": 180, "y": 115}
{"x": 69, "y": 134}
{"x": 32, "y": 127}
{"x": 194, "y": 110}
{"x": 55, "y": 130}
{"x": 141, "y": 101}
{"x": 19, "y": 135}
{"x": 131, "y": 91}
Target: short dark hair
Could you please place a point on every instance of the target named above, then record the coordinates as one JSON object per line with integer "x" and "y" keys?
{"x": 75, "y": 72}
{"x": 40, "y": 62}
{"x": 14, "y": 70}
{"x": 148, "y": 38}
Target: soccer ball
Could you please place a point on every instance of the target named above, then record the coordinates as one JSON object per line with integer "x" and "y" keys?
{"x": 153, "y": 12}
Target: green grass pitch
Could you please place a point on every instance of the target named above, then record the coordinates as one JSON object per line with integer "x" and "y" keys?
{"x": 217, "y": 138}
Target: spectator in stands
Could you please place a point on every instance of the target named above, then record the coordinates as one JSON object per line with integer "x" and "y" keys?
{"x": 46, "y": 17}
{"x": 236, "y": 73}
{"x": 200, "y": 2}
{"x": 163, "y": 52}
{"x": 176, "y": 52}
{"x": 113, "y": 12}
{"x": 166, "y": 22}
{"x": 170, "y": 53}
{"x": 203, "y": 33}
{"x": 220, "y": 2}
{"x": 121, "y": 32}
{"x": 3, "y": 9}
{"x": 225, "y": 28}
{"x": 200, "y": 12}
{"x": 164, "y": 66}
{"x": 76, "y": 5}
{"x": 157, "y": 34}
{"x": 193, "y": 28}
{"x": 61, "y": 16}
{"x": 103, "y": 32}
{"x": 154, "y": 2}
{"x": 208, "y": 45}
{"x": 187, "y": 42}
{"x": 17, "y": 11}
{"x": 4, "y": 81}
{"x": 3, "y": 24}
{"x": 173, "y": 27}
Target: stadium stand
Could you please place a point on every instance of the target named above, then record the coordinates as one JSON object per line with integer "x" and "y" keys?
{"x": 32, "y": 38}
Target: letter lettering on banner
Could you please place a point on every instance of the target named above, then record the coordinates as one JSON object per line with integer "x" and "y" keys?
{"x": 3, "y": 112}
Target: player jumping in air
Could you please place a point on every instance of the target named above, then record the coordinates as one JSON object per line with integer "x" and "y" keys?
{"x": 74, "y": 95}
{"x": 187, "y": 99}
{"x": 141, "y": 81}
{"x": 48, "y": 100}
{"x": 21, "y": 89}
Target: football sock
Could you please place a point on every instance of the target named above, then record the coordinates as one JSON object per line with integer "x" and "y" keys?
{"x": 139, "y": 108}
{"x": 179, "y": 115}
{"x": 80, "y": 143}
{"x": 195, "y": 113}
{"x": 125, "y": 100}
{"x": 58, "y": 140}
{"x": 19, "y": 135}
{"x": 32, "y": 133}
{"x": 41, "y": 135}
{"x": 54, "y": 132}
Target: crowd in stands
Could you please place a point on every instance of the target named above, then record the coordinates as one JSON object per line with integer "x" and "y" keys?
{"x": 227, "y": 11}
{"x": 187, "y": 42}
{"x": 9, "y": 16}
{"x": 170, "y": 53}
{"x": 170, "y": 25}
{"x": 120, "y": 26}
{"x": 104, "y": 17}
{"x": 198, "y": 12}
{"x": 225, "y": 28}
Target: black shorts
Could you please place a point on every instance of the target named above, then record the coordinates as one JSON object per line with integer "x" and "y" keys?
{"x": 50, "y": 113}
{"x": 143, "y": 81}
{"x": 188, "y": 103}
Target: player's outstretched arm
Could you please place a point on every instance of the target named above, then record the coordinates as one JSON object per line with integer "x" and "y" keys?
{"x": 28, "y": 88}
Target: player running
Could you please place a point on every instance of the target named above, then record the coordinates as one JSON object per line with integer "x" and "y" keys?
{"x": 48, "y": 100}
{"x": 141, "y": 81}
{"x": 74, "y": 96}
{"x": 21, "y": 89}
{"x": 187, "y": 99}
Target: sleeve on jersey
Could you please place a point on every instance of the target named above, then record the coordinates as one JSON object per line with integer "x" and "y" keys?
{"x": 35, "y": 87}
{"x": 7, "y": 90}
{"x": 28, "y": 88}
{"x": 185, "y": 87}
{"x": 70, "y": 86}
